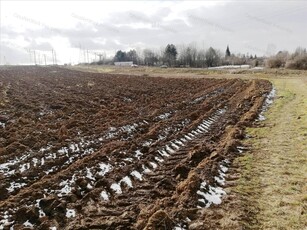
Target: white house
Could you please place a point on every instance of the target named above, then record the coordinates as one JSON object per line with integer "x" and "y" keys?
{"x": 123, "y": 63}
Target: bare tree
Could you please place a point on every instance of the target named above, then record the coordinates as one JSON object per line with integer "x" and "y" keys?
{"x": 150, "y": 58}
{"x": 212, "y": 57}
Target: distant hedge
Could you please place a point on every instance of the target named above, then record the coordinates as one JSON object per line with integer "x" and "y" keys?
{"x": 299, "y": 62}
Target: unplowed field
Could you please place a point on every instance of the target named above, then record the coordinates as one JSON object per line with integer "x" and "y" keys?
{"x": 96, "y": 151}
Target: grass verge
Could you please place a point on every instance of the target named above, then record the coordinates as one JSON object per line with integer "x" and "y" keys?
{"x": 273, "y": 179}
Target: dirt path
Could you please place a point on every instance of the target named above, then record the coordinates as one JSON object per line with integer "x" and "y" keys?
{"x": 267, "y": 185}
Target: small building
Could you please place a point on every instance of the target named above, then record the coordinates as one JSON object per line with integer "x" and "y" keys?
{"x": 123, "y": 63}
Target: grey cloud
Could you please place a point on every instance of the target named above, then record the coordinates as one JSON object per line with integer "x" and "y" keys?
{"x": 245, "y": 26}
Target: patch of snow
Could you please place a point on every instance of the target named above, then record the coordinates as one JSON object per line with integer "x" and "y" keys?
{"x": 129, "y": 128}
{"x": 168, "y": 149}
{"x": 201, "y": 128}
{"x": 213, "y": 196}
{"x": 127, "y": 180}
{"x": 116, "y": 187}
{"x": 104, "y": 168}
{"x": 193, "y": 133}
{"x": 146, "y": 170}
{"x": 138, "y": 154}
{"x": 28, "y": 224}
{"x": 137, "y": 175}
{"x": 183, "y": 139}
{"x": 207, "y": 123}
{"x": 104, "y": 195}
{"x": 159, "y": 159}
{"x": 230, "y": 67}
{"x": 5, "y": 166}
{"x": 5, "y": 221}
{"x": 179, "y": 142}
{"x": 261, "y": 117}
{"x": 198, "y": 99}
{"x": 70, "y": 213}
{"x": 44, "y": 149}
{"x": 129, "y": 159}
{"x": 164, "y": 116}
{"x": 224, "y": 169}
{"x": 163, "y": 153}
{"x": 64, "y": 150}
{"x": 35, "y": 161}
{"x": 23, "y": 168}
{"x": 15, "y": 185}
{"x": 40, "y": 211}
{"x": 219, "y": 180}
{"x": 89, "y": 186}
{"x": 66, "y": 186}
{"x": 175, "y": 146}
{"x": 147, "y": 143}
{"x": 267, "y": 103}
{"x": 178, "y": 227}
{"x": 257, "y": 68}
{"x": 153, "y": 164}
{"x": 89, "y": 174}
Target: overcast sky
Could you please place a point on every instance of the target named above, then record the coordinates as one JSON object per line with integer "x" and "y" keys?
{"x": 70, "y": 27}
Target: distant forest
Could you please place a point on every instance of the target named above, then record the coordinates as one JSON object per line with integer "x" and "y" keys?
{"x": 190, "y": 56}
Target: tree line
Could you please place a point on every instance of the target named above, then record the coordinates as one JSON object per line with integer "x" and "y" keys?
{"x": 191, "y": 56}
{"x": 179, "y": 56}
{"x": 284, "y": 59}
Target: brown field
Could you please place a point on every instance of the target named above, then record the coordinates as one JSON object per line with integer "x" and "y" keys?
{"x": 82, "y": 150}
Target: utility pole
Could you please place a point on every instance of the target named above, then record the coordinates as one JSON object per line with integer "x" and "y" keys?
{"x": 84, "y": 56}
{"x": 45, "y": 59}
{"x": 39, "y": 58}
{"x": 52, "y": 57}
{"x": 80, "y": 53}
{"x": 34, "y": 57}
{"x": 29, "y": 51}
{"x": 55, "y": 58}
{"x": 100, "y": 55}
{"x": 54, "y": 61}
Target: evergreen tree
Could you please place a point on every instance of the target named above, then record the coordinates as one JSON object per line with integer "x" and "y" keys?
{"x": 227, "y": 52}
{"x": 120, "y": 56}
{"x": 170, "y": 54}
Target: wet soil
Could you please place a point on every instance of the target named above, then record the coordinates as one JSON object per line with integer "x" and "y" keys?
{"x": 96, "y": 151}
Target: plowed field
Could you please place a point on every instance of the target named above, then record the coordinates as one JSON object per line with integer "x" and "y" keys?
{"x": 96, "y": 151}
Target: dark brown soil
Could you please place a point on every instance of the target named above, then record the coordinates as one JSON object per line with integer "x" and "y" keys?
{"x": 96, "y": 151}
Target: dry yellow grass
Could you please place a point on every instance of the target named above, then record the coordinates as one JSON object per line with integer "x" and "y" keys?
{"x": 274, "y": 173}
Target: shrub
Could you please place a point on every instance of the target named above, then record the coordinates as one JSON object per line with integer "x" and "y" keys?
{"x": 299, "y": 62}
{"x": 275, "y": 62}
